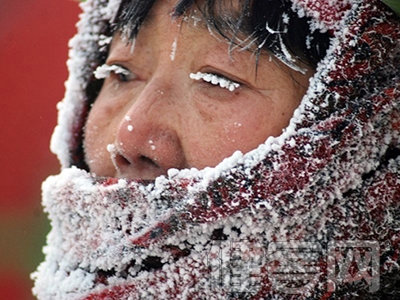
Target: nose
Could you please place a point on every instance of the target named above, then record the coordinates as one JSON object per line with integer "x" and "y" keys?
{"x": 147, "y": 141}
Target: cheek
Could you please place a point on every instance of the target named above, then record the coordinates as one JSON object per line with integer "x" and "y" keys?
{"x": 243, "y": 125}
{"x": 93, "y": 143}
{"x": 99, "y": 132}
{"x": 248, "y": 130}
{"x": 217, "y": 133}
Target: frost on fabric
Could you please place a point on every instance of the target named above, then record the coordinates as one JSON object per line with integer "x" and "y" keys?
{"x": 111, "y": 9}
{"x": 327, "y": 14}
{"x": 306, "y": 184}
{"x": 82, "y": 59}
{"x": 104, "y": 41}
{"x": 91, "y": 223}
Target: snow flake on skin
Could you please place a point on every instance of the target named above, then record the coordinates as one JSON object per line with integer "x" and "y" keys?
{"x": 111, "y": 148}
{"x": 152, "y": 146}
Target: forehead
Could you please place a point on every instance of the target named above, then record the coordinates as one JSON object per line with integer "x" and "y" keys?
{"x": 219, "y": 19}
{"x": 224, "y": 14}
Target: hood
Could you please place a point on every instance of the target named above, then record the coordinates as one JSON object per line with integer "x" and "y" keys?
{"x": 321, "y": 200}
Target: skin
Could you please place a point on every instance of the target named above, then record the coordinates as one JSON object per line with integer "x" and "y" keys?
{"x": 159, "y": 118}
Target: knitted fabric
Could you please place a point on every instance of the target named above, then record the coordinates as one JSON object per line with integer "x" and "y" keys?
{"x": 311, "y": 214}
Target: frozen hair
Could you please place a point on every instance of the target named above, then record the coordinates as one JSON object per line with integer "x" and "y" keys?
{"x": 262, "y": 26}
{"x": 270, "y": 25}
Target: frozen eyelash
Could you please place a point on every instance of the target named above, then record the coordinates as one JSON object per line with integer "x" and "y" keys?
{"x": 104, "y": 71}
{"x": 216, "y": 80}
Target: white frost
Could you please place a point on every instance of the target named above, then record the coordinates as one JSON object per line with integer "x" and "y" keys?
{"x": 174, "y": 48}
{"x": 215, "y": 80}
{"x": 104, "y": 71}
{"x": 111, "y": 148}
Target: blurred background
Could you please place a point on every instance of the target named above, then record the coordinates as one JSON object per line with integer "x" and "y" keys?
{"x": 34, "y": 36}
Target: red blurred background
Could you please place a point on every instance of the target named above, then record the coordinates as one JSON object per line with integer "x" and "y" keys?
{"x": 33, "y": 50}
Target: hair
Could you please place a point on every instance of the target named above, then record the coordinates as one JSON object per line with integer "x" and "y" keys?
{"x": 266, "y": 25}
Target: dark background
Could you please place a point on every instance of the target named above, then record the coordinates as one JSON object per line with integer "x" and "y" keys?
{"x": 34, "y": 36}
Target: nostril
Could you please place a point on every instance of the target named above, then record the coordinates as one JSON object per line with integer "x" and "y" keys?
{"x": 148, "y": 161}
{"x": 121, "y": 160}
{"x": 141, "y": 166}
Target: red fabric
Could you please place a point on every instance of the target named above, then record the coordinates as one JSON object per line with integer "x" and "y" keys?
{"x": 335, "y": 178}
{"x": 328, "y": 12}
{"x": 382, "y": 192}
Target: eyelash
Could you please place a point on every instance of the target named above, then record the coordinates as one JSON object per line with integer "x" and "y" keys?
{"x": 222, "y": 81}
{"x": 123, "y": 74}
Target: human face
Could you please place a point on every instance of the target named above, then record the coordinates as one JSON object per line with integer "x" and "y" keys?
{"x": 156, "y": 116}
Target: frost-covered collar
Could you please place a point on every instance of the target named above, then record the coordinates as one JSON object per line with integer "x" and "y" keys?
{"x": 329, "y": 181}
{"x": 327, "y": 14}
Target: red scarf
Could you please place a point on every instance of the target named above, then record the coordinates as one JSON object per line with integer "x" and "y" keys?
{"x": 312, "y": 214}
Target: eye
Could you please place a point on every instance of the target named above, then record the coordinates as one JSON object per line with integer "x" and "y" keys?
{"x": 214, "y": 79}
{"x": 123, "y": 74}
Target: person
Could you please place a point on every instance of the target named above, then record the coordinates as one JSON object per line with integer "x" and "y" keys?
{"x": 227, "y": 149}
